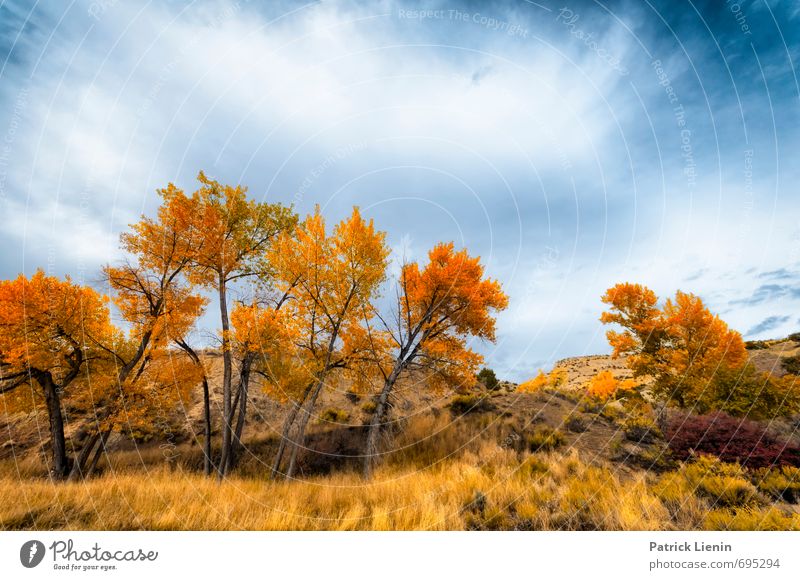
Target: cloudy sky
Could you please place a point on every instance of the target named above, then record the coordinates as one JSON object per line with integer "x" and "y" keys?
{"x": 571, "y": 144}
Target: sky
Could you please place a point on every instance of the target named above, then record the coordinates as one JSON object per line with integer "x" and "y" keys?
{"x": 572, "y": 145}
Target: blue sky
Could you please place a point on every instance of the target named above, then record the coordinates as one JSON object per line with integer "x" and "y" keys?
{"x": 572, "y": 144}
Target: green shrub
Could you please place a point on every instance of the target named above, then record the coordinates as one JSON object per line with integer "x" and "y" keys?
{"x": 544, "y": 439}
{"x": 640, "y": 429}
{"x": 791, "y": 364}
{"x": 334, "y": 415}
{"x": 463, "y": 404}
{"x": 575, "y": 424}
{"x": 369, "y": 407}
{"x": 489, "y": 379}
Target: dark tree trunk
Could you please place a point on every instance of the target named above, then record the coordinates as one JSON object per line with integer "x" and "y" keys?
{"x": 299, "y": 439}
{"x": 226, "y": 381}
{"x": 101, "y": 449}
{"x": 208, "y": 465}
{"x": 79, "y": 466}
{"x": 371, "y": 448}
{"x": 287, "y": 427}
{"x": 60, "y": 467}
{"x": 242, "y": 393}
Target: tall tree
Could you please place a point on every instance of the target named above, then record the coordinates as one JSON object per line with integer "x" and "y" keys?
{"x": 439, "y": 308}
{"x": 153, "y": 297}
{"x": 50, "y": 330}
{"x": 332, "y": 280}
{"x": 234, "y": 234}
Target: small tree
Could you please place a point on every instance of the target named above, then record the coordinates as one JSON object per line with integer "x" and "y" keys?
{"x": 50, "y": 330}
{"x": 438, "y": 308}
{"x": 488, "y": 379}
{"x": 332, "y": 280}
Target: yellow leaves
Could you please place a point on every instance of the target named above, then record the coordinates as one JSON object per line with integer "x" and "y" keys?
{"x": 331, "y": 278}
{"x": 535, "y": 384}
{"x": 603, "y": 385}
{"x": 555, "y": 378}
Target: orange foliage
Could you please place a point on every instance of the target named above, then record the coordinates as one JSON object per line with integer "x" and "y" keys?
{"x": 682, "y": 345}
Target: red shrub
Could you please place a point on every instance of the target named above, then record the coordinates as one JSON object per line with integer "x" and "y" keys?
{"x": 730, "y": 439}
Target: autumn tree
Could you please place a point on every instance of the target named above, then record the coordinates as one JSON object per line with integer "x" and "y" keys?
{"x": 332, "y": 279}
{"x": 50, "y": 332}
{"x": 235, "y": 234}
{"x": 439, "y": 308}
{"x": 692, "y": 356}
{"x": 158, "y": 304}
{"x": 265, "y": 336}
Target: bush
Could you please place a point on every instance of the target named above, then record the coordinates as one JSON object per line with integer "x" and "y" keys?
{"x": 352, "y": 396}
{"x": 544, "y": 439}
{"x": 575, "y": 424}
{"x": 730, "y": 439}
{"x": 781, "y": 483}
{"x": 725, "y": 484}
{"x": 489, "y": 379}
{"x": 640, "y": 429}
{"x": 334, "y": 415}
{"x": 770, "y": 519}
{"x": 756, "y": 345}
{"x": 791, "y": 364}
{"x": 795, "y": 336}
{"x": 745, "y": 392}
{"x": 463, "y": 404}
{"x": 369, "y": 407}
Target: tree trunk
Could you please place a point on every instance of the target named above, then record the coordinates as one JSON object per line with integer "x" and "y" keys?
{"x": 300, "y": 436}
{"x": 60, "y": 466}
{"x": 208, "y": 465}
{"x": 244, "y": 384}
{"x": 79, "y": 466}
{"x": 287, "y": 427}
{"x": 101, "y": 448}
{"x": 371, "y": 449}
{"x": 226, "y": 381}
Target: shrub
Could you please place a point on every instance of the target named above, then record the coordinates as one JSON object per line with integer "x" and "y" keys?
{"x": 756, "y": 345}
{"x": 334, "y": 415}
{"x": 781, "y": 483}
{"x": 535, "y": 384}
{"x": 770, "y": 519}
{"x": 725, "y": 484}
{"x": 791, "y": 364}
{"x": 352, "y": 396}
{"x": 795, "y": 336}
{"x": 489, "y": 379}
{"x": 604, "y": 385}
{"x": 463, "y": 404}
{"x": 369, "y": 407}
{"x": 640, "y": 429}
{"x": 730, "y": 439}
{"x": 745, "y": 392}
{"x": 575, "y": 424}
{"x": 558, "y": 377}
{"x": 544, "y": 439}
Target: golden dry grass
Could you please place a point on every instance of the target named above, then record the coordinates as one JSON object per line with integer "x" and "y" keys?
{"x": 442, "y": 474}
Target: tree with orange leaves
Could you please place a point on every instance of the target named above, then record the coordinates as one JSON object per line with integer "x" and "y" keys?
{"x": 155, "y": 299}
{"x": 439, "y": 308}
{"x": 694, "y": 359}
{"x": 50, "y": 334}
{"x": 332, "y": 280}
{"x": 229, "y": 236}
